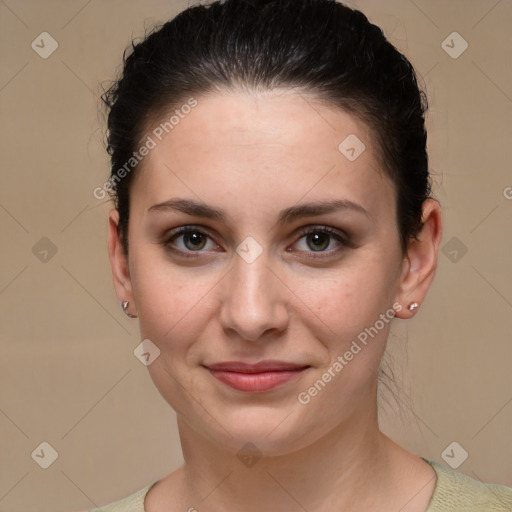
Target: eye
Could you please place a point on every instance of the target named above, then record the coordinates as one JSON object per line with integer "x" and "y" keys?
{"x": 188, "y": 240}
{"x": 320, "y": 238}
{"x": 192, "y": 238}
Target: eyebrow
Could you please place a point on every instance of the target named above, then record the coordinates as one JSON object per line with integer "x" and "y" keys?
{"x": 288, "y": 215}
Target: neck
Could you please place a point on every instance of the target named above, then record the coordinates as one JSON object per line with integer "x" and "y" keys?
{"x": 337, "y": 472}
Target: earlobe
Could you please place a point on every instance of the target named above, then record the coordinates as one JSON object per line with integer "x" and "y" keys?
{"x": 420, "y": 263}
{"x": 119, "y": 261}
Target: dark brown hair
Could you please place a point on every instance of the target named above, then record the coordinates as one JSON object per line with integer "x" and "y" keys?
{"x": 320, "y": 47}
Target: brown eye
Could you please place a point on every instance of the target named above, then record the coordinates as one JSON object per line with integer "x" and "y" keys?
{"x": 319, "y": 239}
{"x": 196, "y": 240}
{"x": 187, "y": 239}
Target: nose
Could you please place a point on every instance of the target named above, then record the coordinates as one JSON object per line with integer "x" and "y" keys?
{"x": 254, "y": 300}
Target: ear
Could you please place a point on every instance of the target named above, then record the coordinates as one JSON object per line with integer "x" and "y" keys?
{"x": 119, "y": 263}
{"x": 420, "y": 262}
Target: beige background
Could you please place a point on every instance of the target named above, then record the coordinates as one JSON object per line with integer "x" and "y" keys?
{"x": 68, "y": 375}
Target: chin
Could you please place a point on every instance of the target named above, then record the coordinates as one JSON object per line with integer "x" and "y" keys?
{"x": 268, "y": 432}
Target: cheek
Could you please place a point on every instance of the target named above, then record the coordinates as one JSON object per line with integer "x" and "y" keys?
{"x": 175, "y": 305}
{"x": 172, "y": 310}
{"x": 347, "y": 302}
{"x": 344, "y": 314}
{"x": 172, "y": 305}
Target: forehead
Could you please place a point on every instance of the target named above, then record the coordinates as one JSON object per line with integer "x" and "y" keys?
{"x": 280, "y": 144}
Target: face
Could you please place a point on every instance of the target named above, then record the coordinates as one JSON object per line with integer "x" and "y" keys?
{"x": 260, "y": 274}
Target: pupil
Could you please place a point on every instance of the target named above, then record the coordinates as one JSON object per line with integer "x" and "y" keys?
{"x": 316, "y": 237}
{"x": 195, "y": 238}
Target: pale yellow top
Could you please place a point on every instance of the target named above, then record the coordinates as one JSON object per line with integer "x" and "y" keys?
{"x": 454, "y": 492}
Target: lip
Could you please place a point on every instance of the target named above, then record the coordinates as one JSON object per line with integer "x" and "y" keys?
{"x": 256, "y": 378}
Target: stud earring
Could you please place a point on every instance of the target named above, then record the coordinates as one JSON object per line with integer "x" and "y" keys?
{"x": 124, "y": 306}
{"x": 413, "y": 306}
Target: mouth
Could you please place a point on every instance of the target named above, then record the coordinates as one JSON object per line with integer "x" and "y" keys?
{"x": 256, "y": 378}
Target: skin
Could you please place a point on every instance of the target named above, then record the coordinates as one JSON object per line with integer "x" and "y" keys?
{"x": 254, "y": 154}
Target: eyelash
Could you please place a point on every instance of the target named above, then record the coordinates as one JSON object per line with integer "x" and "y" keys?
{"x": 344, "y": 241}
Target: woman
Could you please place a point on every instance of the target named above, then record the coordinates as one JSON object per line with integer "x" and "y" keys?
{"x": 273, "y": 213}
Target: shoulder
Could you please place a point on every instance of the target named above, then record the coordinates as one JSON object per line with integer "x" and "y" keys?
{"x": 457, "y": 492}
{"x": 132, "y": 503}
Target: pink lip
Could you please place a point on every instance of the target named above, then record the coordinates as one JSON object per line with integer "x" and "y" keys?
{"x": 259, "y": 377}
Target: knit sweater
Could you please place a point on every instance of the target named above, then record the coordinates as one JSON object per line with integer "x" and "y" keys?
{"x": 454, "y": 492}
